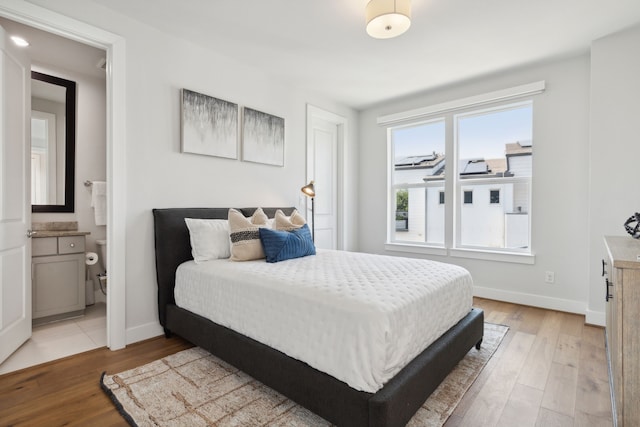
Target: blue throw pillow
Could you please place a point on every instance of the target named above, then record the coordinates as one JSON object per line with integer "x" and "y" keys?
{"x": 281, "y": 245}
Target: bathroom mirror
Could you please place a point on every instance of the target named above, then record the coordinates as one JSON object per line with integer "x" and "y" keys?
{"x": 53, "y": 143}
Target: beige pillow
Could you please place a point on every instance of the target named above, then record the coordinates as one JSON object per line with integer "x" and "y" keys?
{"x": 244, "y": 234}
{"x": 288, "y": 223}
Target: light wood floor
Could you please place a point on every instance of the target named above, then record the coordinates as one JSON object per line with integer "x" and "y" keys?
{"x": 550, "y": 370}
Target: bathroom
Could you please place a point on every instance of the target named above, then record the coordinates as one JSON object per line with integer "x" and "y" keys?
{"x": 60, "y": 57}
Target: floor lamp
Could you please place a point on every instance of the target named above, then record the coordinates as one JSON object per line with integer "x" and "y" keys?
{"x": 310, "y": 191}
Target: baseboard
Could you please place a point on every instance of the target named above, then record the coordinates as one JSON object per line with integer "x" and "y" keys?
{"x": 143, "y": 332}
{"x": 597, "y": 318}
{"x": 541, "y": 301}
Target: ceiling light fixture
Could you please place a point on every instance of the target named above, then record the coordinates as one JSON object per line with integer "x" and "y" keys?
{"x": 19, "y": 41}
{"x": 388, "y": 18}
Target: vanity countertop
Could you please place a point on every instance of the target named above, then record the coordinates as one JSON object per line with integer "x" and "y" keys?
{"x": 57, "y": 229}
{"x": 52, "y": 233}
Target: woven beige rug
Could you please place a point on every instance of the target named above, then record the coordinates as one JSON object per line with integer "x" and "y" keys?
{"x": 194, "y": 388}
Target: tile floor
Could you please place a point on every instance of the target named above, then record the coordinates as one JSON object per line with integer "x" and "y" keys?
{"x": 60, "y": 339}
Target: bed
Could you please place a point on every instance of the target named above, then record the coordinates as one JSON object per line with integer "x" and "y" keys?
{"x": 391, "y": 405}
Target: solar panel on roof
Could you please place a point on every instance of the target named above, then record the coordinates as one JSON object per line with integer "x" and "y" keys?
{"x": 474, "y": 166}
{"x": 415, "y": 160}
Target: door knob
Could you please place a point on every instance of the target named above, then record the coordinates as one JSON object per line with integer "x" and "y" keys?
{"x": 31, "y": 233}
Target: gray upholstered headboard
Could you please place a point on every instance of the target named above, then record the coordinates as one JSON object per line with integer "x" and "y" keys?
{"x": 173, "y": 247}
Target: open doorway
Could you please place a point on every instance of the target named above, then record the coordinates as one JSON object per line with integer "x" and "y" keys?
{"x": 62, "y": 332}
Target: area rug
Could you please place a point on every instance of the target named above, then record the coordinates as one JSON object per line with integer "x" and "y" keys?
{"x": 194, "y": 388}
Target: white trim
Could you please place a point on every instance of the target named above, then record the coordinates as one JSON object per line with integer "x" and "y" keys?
{"x": 55, "y": 23}
{"x": 116, "y": 177}
{"x": 476, "y": 100}
{"x": 144, "y": 332}
{"x": 597, "y": 318}
{"x": 511, "y": 257}
{"x": 541, "y": 301}
{"x": 342, "y": 124}
{"x": 514, "y": 257}
{"x": 415, "y": 249}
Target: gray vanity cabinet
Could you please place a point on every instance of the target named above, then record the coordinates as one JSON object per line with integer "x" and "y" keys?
{"x": 57, "y": 274}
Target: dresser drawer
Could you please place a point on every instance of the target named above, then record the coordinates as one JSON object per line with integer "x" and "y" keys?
{"x": 70, "y": 244}
{"x": 44, "y": 246}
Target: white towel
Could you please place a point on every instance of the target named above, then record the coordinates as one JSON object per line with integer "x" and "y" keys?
{"x": 99, "y": 201}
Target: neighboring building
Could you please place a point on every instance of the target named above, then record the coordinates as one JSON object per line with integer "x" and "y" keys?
{"x": 494, "y": 205}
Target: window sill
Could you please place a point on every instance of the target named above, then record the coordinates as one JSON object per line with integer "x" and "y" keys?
{"x": 514, "y": 257}
{"x": 415, "y": 249}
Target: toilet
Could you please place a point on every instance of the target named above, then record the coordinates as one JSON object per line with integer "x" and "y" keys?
{"x": 102, "y": 255}
{"x": 102, "y": 259}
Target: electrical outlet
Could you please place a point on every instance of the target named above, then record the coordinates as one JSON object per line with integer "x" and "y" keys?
{"x": 549, "y": 277}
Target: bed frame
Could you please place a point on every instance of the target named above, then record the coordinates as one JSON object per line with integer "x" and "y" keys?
{"x": 393, "y": 405}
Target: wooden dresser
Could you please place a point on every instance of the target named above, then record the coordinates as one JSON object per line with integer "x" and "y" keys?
{"x": 622, "y": 281}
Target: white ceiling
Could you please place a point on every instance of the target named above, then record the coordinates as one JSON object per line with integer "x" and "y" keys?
{"x": 62, "y": 53}
{"x": 322, "y": 44}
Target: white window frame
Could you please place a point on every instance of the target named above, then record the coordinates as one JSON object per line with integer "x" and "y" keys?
{"x": 393, "y": 187}
{"x": 498, "y": 100}
{"x": 459, "y": 183}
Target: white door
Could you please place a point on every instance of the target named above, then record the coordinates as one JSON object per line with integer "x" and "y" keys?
{"x": 323, "y": 137}
{"x": 15, "y": 199}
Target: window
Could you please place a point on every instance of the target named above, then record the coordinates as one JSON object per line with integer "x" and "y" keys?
{"x": 488, "y": 151}
{"x": 418, "y": 182}
{"x": 494, "y": 149}
{"x": 468, "y": 197}
{"x": 494, "y": 197}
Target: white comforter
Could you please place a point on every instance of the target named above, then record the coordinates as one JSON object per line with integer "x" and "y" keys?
{"x": 358, "y": 317}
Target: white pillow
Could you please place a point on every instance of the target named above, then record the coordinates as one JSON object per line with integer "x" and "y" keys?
{"x": 209, "y": 239}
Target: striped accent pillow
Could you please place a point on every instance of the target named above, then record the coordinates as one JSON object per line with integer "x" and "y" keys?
{"x": 244, "y": 235}
{"x": 282, "y": 245}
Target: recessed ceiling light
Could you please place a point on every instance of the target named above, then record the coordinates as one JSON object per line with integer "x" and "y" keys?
{"x": 19, "y": 41}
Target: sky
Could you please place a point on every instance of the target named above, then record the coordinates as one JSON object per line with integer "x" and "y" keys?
{"x": 480, "y": 136}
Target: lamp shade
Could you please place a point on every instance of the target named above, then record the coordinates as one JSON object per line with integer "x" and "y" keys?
{"x": 388, "y": 18}
{"x": 309, "y": 189}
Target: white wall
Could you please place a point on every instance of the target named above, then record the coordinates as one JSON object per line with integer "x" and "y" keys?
{"x": 615, "y": 146}
{"x": 91, "y": 157}
{"x": 566, "y": 222}
{"x": 560, "y": 185}
{"x": 158, "y": 175}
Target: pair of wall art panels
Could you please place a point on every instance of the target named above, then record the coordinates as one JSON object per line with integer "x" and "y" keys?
{"x": 212, "y": 127}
